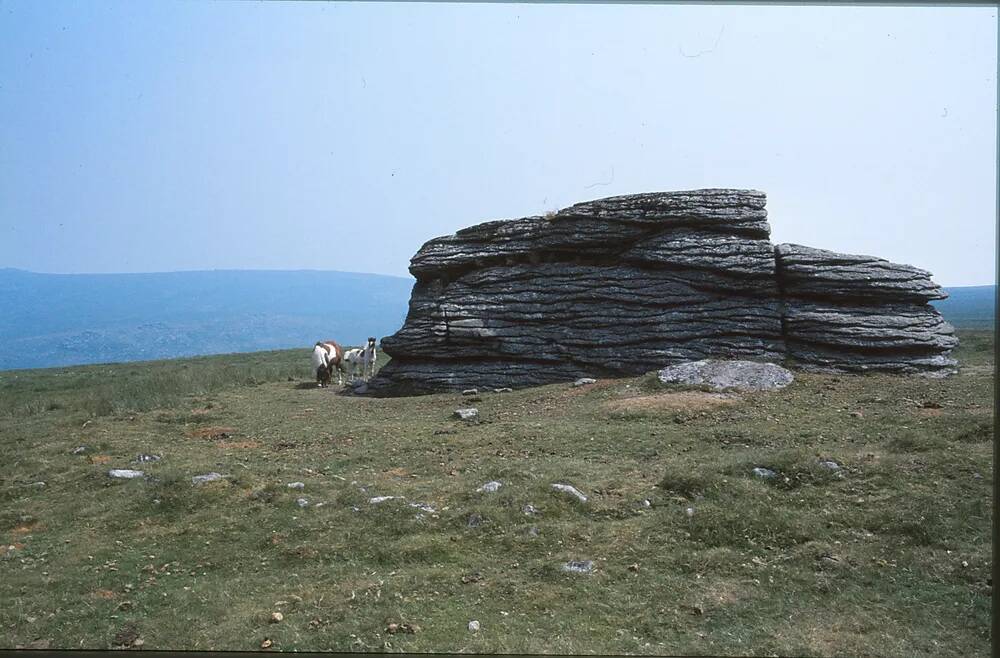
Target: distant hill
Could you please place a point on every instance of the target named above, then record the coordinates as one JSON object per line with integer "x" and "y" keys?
{"x": 970, "y": 307}
{"x": 73, "y": 319}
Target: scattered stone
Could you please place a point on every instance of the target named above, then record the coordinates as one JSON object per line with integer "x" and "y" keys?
{"x": 575, "y": 566}
{"x": 565, "y": 488}
{"x": 765, "y": 473}
{"x": 126, "y": 636}
{"x": 141, "y": 459}
{"x": 645, "y": 502}
{"x": 689, "y": 511}
{"x": 381, "y": 499}
{"x": 266, "y": 643}
{"x": 721, "y": 375}
{"x": 302, "y": 502}
{"x": 529, "y": 510}
{"x": 474, "y": 577}
{"x": 490, "y": 487}
{"x": 297, "y": 485}
{"x": 857, "y": 414}
{"x": 424, "y": 507}
{"x": 474, "y": 626}
{"x": 533, "y": 531}
{"x": 78, "y": 450}
{"x": 830, "y": 465}
{"x": 207, "y": 477}
{"x": 585, "y": 381}
{"x": 125, "y": 473}
{"x": 503, "y": 389}
{"x": 36, "y": 485}
{"x": 276, "y": 617}
{"x": 474, "y": 521}
{"x": 471, "y": 391}
{"x": 467, "y": 414}
{"x": 634, "y": 567}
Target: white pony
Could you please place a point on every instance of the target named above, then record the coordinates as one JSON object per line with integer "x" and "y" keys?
{"x": 326, "y": 356}
{"x": 363, "y": 359}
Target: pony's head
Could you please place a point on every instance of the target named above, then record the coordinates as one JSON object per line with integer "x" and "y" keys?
{"x": 371, "y": 341}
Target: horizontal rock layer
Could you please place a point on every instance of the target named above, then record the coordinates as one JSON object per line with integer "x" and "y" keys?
{"x": 629, "y": 284}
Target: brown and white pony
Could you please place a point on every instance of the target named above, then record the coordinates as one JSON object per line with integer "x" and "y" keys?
{"x": 326, "y": 356}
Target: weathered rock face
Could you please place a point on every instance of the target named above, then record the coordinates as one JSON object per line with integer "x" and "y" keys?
{"x": 625, "y": 285}
{"x": 861, "y": 313}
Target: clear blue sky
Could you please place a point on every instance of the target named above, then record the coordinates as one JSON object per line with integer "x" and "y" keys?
{"x": 157, "y": 136}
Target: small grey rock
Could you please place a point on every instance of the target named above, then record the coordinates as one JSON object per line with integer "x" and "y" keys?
{"x": 689, "y": 511}
{"x": 584, "y": 381}
{"x": 381, "y": 499}
{"x": 473, "y": 626}
{"x": 471, "y": 391}
{"x": 297, "y": 485}
{"x": 503, "y": 390}
{"x": 765, "y": 473}
{"x": 302, "y": 502}
{"x": 125, "y": 473}
{"x": 490, "y": 487}
{"x": 566, "y": 488}
{"x": 424, "y": 507}
{"x": 529, "y": 510}
{"x": 207, "y": 477}
{"x": 78, "y": 450}
{"x": 831, "y": 465}
{"x": 467, "y": 414}
{"x": 474, "y": 521}
{"x": 533, "y": 531}
{"x": 36, "y": 485}
{"x": 140, "y": 459}
{"x": 645, "y": 502}
{"x": 575, "y": 566}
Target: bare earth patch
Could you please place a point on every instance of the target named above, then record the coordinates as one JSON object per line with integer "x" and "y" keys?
{"x": 212, "y": 432}
{"x": 679, "y": 401}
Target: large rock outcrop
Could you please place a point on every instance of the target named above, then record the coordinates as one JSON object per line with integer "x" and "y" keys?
{"x": 629, "y": 284}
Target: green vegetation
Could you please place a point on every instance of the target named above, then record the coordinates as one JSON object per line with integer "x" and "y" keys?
{"x": 890, "y": 555}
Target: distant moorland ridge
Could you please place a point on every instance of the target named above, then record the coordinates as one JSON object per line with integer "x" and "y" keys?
{"x": 74, "y": 319}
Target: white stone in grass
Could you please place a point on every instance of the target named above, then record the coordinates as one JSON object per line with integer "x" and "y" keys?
{"x": 424, "y": 507}
{"x": 831, "y": 465}
{"x": 529, "y": 510}
{"x": 207, "y": 477}
{"x": 503, "y": 390}
{"x": 469, "y": 414}
{"x": 471, "y": 391}
{"x": 765, "y": 473}
{"x": 79, "y": 450}
{"x": 473, "y": 626}
{"x": 381, "y": 499}
{"x": 689, "y": 511}
{"x": 490, "y": 487}
{"x": 584, "y": 381}
{"x": 296, "y": 485}
{"x": 302, "y": 502}
{"x": 575, "y": 566}
{"x": 566, "y": 488}
{"x": 125, "y": 473}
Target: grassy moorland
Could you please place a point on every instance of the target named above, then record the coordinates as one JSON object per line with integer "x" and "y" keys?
{"x": 889, "y": 556}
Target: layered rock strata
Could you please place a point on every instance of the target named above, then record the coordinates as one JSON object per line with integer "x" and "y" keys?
{"x": 625, "y": 285}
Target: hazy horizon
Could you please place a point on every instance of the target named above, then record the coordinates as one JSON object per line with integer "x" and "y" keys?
{"x": 174, "y": 137}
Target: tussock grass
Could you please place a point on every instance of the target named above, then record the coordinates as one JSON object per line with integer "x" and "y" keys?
{"x": 890, "y": 555}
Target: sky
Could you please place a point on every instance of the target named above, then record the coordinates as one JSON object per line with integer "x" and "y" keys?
{"x": 161, "y": 136}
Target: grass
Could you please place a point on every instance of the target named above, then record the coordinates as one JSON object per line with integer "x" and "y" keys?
{"x": 890, "y": 555}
